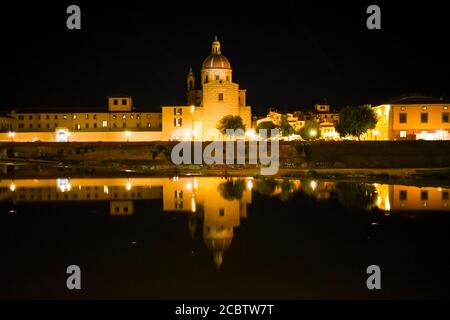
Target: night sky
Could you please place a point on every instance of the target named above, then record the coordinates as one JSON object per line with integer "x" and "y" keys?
{"x": 286, "y": 54}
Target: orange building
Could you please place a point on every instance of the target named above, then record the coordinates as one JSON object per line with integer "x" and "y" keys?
{"x": 412, "y": 118}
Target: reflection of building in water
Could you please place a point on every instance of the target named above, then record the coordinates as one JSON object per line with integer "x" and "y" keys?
{"x": 397, "y": 197}
{"x": 221, "y": 203}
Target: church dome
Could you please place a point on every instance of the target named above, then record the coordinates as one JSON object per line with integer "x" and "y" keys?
{"x": 216, "y": 60}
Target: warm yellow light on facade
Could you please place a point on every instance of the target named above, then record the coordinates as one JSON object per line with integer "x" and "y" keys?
{"x": 189, "y": 185}
{"x": 313, "y": 185}
{"x": 129, "y": 186}
{"x": 195, "y": 183}
{"x": 11, "y": 134}
{"x": 249, "y": 184}
{"x": 193, "y": 205}
{"x": 313, "y": 133}
{"x": 12, "y": 187}
{"x": 376, "y": 132}
{"x": 192, "y": 109}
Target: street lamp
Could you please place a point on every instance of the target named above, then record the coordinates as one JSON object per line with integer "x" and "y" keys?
{"x": 313, "y": 133}
{"x": 11, "y": 135}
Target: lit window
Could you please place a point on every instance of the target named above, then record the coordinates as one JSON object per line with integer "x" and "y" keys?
{"x": 104, "y": 123}
{"x": 124, "y": 116}
{"x": 402, "y": 134}
{"x": 177, "y": 122}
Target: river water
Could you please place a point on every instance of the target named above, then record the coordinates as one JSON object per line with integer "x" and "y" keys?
{"x": 222, "y": 238}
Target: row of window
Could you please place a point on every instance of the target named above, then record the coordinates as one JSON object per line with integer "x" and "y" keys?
{"x": 424, "y": 108}
{"x": 403, "y": 117}
{"x": 77, "y": 126}
{"x": 86, "y": 116}
{"x": 403, "y": 195}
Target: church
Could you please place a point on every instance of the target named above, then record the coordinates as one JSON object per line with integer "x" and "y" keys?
{"x": 211, "y": 97}
{"x": 208, "y": 102}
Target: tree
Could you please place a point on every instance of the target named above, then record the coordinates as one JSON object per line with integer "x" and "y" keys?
{"x": 230, "y": 123}
{"x": 285, "y": 127}
{"x": 232, "y": 189}
{"x": 355, "y": 121}
{"x": 310, "y": 131}
{"x": 266, "y": 125}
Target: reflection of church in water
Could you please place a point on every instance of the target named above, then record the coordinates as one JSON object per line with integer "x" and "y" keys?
{"x": 219, "y": 202}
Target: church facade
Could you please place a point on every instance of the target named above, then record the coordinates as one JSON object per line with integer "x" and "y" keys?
{"x": 210, "y": 98}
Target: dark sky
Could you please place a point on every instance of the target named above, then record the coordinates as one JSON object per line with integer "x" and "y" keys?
{"x": 286, "y": 54}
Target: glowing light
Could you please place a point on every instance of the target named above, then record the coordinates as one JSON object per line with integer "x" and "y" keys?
{"x": 249, "y": 184}
{"x": 195, "y": 183}
{"x": 193, "y": 206}
{"x": 63, "y": 184}
{"x": 192, "y": 109}
{"x": 313, "y": 185}
{"x": 11, "y": 134}
{"x": 189, "y": 185}
{"x": 106, "y": 189}
{"x": 379, "y": 112}
{"x": 62, "y": 135}
{"x": 251, "y": 134}
{"x": 387, "y": 203}
{"x": 376, "y": 132}
{"x": 12, "y": 187}
{"x": 313, "y": 133}
{"x": 129, "y": 186}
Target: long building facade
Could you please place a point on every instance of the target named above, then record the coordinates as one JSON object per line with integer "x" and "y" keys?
{"x": 412, "y": 118}
{"x": 208, "y": 102}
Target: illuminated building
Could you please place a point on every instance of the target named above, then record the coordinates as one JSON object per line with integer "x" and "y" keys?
{"x": 412, "y": 118}
{"x": 216, "y": 97}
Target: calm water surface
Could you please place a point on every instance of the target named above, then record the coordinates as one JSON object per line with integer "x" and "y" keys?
{"x": 209, "y": 238}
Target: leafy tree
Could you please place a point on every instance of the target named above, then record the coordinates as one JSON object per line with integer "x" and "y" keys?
{"x": 230, "y": 122}
{"x": 355, "y": 121}
{"x": 356, "y": 195}
{"x": 232, "y": 189}
{"x": 310, "y": 131}
{"x": 285, "y": 127}
{"x": 266, "y": 125}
